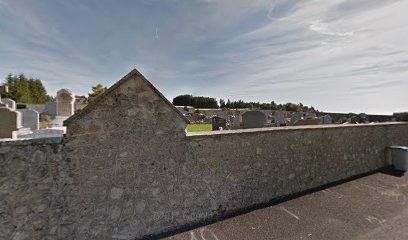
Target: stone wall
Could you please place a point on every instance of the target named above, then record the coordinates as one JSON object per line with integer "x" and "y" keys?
{"x": 136, "y": 183}
{"x": 33, "y": 179}
{"x": 137, "y": 173}
{"x": 127, "y": 169}
{"x": 236, "y": 169}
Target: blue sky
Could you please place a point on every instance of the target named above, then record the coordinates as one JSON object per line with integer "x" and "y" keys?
{"x": 337, "y": 55}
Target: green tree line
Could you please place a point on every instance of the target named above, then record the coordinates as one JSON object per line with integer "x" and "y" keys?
{"x": 31, "y": 90}
{"x": 291, "y": 107}
{"x": 209, "y": 102}
{"x": 197, "y": 102}
{"x": 25, "y": 90}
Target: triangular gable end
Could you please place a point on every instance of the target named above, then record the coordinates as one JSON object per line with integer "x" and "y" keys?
{"x": 129, "y": 76}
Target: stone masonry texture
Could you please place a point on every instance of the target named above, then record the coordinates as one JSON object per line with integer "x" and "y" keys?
{"x": 33, "y": 178}
{"x": 127, "y": 169}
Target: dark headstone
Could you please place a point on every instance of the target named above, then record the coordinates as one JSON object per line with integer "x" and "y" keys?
{"x": 218, "y": 123}
{"x": 403, "y": 116}
{"x": 253, "y": 119}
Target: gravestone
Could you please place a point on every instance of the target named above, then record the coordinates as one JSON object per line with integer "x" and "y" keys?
{"x": 235, "y": 122}
{"x": 401, "y": 116}
{"x": 296, "y": 116}
{"x": 253, "y": 119}
{"x": 218, "y": 123}
{"x": 51, "y": 108}
{"x": 326, "y": 119}
{"x": 279, "y": 117}
{"x": 65, "y": 103}
{"x": 30, "y": 119}
{"x": 10, "y": 103}
{"x": 10, "y": 120}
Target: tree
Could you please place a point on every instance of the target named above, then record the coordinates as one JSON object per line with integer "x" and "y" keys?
{"x": 26, "y": 90}
{"x": 97, "y": 91}
{"x": 38, "y": 91}
{"x": 197, "y": 102}
{"x": 182, "y": 100}
{"x": 208, "y": 102}
{"x": 222, "y": 103}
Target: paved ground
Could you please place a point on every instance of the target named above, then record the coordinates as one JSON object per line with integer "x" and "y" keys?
{"x": 372, "y": 207}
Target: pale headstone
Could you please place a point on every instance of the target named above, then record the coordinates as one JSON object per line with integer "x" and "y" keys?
{"x": 65, "y": 103}
{"x": 10, "y": 103}
{"x": 279, "y": 118}
{"x": 253, "y": 119}
{"x": 30, "y": 119}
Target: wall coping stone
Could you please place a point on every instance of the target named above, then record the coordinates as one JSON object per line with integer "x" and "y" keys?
{"x": 35, "y": 141}
{"x": 289, "y": 128}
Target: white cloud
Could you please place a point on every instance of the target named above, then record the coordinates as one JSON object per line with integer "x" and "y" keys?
{"x": 286, "y": 60}
{"x": 323, "y": 28}
{"x": 338, "y": 55}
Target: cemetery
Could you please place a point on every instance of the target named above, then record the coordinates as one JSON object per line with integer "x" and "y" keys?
{"x": 22, "y": 121}
{"x": 66, "y": 104}
{"x": 127, "y": 169}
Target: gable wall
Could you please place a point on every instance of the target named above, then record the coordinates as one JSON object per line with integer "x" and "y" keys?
{"x": 126, "y": 151}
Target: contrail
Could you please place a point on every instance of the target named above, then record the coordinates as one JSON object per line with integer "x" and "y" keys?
{"x": 157, "y": 34}
{"x": 270, "y": 9}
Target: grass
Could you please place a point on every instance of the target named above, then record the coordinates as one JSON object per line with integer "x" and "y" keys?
{"x": 44, "y": 124}
{"x": 198, "y": 127}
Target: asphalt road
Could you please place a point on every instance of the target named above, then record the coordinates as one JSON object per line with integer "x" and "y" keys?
{"x": 369, "y": 208}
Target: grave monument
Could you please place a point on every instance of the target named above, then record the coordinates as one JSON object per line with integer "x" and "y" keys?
{"x": 218, "y": 123}
{"x": 10, "y": 120}
{"x": 65, "y": 103}
{"x": 65, "y": 107}
{"x": 279, "y": 118}
{"x": 253, "y": 119}
{"x": 30, "y": 118}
